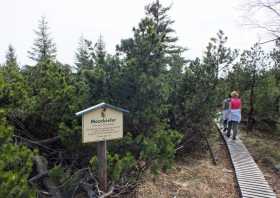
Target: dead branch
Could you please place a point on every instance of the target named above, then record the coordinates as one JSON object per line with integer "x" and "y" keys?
{"x": 110, "y": 192}
{"x": 88, "y": 188}
{"x": 122, "y": 189}
{"x": 210, "y": 149}
{"x": 272, "y": 40}
{"x": 71, "y": 177}
{"x": 179, "y": 148}
{"x": 29, "y": 142}
{"x": 269, "y": 7}
{"x": 42, "y": 168}
{"x": 44, "y": 193}
{"x": 39, "y": 176}
{"x": 48, "y": 141}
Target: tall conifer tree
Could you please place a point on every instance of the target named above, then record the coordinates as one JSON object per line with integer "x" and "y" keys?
{"x": 84, "y": 55}
{"x": 100, "y": 53}
{"x": 44, "y": 47}
{"x": 11, "y": 58}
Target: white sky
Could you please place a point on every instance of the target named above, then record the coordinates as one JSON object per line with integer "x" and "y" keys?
{"x": 195, "y": 22}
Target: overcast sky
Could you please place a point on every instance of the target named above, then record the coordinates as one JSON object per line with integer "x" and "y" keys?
{"x": 195, "y": 23}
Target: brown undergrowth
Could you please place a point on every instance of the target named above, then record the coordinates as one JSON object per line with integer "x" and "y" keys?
{"x": 193, "y": 176}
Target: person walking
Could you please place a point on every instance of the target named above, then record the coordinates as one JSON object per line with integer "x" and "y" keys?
{"x": 234, "y": 119}
{"x": 226, "y": 112}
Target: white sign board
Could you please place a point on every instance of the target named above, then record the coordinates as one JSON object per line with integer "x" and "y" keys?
{"x": 102, "y": 124}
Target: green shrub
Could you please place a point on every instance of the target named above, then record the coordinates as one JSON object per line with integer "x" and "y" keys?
{"x": 15, "y": 165}
{"x": 15, "y": 168}
{"x": 159, "y": 149}
{"x": 57, "y": 174}
{"x": 117, "y": 165}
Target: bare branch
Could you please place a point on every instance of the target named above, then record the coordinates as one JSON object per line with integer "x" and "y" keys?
{"x": 110, "y": 192}
{"x": 179, "y": 148}
{"x": 49, "y": 140}
{"x": 272, "y": 9}
{"x": 40, "y": 175}
{"x": 88, "y": 188}
{"x": 30, "y": 142}
{"x": 269, "y": 41}
{"x": 271, "y": 23}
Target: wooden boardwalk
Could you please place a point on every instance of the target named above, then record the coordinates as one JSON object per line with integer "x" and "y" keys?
{"x": 250, "y": 179}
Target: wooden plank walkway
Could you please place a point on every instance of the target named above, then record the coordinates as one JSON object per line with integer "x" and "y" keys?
{"x": 250, "y": 179}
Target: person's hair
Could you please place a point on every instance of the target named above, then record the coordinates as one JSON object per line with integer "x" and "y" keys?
{"x": 234, "y": 94}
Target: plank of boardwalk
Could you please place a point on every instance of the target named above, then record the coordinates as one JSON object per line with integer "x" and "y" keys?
{"x": 258, "y": 195}
{"x": 257, "y": 189}
{"x": 250, "y": 186}
{"x": 250, "y": 176}
{"x": 250, "y": 183}
{"x": 244, "y": 172}
{"x": 250, "y": 179}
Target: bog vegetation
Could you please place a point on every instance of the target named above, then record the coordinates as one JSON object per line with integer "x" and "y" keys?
{"x": 172, "y": 102}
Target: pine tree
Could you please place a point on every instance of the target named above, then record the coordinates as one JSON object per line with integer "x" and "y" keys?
{"x": 253, "y": 61}
{"x": 147, "y": 58}
{"x": 197, "y": 93}
{"x": 14, "y": 90}
{"x": 44, "y": 47}
{"x": 275, "y": 55}
{"x": 15, "y": 164}
{"x": 158, "y": 14}
{"x": 102, "y": 78}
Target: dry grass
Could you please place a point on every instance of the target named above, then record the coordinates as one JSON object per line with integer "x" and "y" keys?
{"x": 265, "y": 150}
{"x": 263, "y": 147}
{"x": 194, "y": 177}
{"x": 201, "y": 179}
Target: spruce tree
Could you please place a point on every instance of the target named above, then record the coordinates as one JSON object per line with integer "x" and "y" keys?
{"x": 84, "y": 55}
{"x": 11, "y": 58}
{"x": 44, "y": 47}
{"x": 100, "y": 77}
{"x": 100, "y": 53}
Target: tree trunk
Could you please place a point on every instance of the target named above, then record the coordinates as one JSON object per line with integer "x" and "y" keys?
{"x": 251, "y": 120}
{"x": 102, "y": 164}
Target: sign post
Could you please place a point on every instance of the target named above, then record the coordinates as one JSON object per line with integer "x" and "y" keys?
{"x": 100, "y": 123}
{"x": 102, "y": 164}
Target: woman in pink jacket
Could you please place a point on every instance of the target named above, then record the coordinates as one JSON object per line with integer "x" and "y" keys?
{"x": 234, "y": 114}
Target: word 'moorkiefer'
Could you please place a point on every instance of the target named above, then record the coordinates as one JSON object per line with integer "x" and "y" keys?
{"x": 103, "y": 120}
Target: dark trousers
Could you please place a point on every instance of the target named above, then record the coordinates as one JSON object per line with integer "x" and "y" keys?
{"x": 234, "y": 126}
{"x": 225, "y": 124}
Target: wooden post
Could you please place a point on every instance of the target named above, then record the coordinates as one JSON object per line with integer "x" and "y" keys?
{"x": 102, "y": 164}
{"x": 97, "y": 122}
